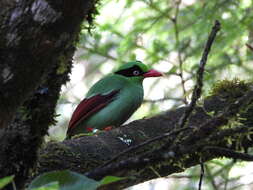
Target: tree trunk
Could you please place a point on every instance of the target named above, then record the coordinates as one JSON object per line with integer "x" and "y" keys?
{"x": 37, "y": 42}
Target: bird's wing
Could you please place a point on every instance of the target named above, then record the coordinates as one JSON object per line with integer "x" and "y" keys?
{"x": 89, "y": 106}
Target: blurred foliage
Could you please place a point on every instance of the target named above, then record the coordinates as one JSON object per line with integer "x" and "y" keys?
{"x": 168, "y": 35}
{"x": 5, "y": 181}
{"x": 66, "y": 180}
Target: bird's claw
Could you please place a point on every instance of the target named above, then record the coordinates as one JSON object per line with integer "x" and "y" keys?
{"x": 108, "y": 128}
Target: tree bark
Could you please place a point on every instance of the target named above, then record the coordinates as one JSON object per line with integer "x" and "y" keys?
{"x": 37, "y": 42}
{"x": 215, "y": 126}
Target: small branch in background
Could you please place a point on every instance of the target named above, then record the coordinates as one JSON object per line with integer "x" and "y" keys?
{"x": 181, "y": 176}
{"x": 96, "y": 51}
{"x": 199, "y": 84}
{"x": 211, "y": 177}
{"x": 228, "y": 179}
{"x": 180, "y": 74}
{"x": 249, "y": 46}
{"x": 229, "y": 153}
{"x": 201, "y": 175}
{"x": 162, "y": 100}
{"x": 200, "y": 73}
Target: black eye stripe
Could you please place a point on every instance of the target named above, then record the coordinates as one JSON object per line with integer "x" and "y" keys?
{"x": 129, "y": 72}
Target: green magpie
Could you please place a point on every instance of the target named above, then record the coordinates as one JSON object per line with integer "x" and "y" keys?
{"x": 111, "y": 100}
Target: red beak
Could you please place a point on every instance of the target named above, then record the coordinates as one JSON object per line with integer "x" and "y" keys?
{"x": 152, "y": 73}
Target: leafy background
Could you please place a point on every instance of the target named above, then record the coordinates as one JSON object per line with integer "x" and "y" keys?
{"x": 168, "y": 35}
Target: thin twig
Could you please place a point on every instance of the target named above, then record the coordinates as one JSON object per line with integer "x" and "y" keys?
{"x": 211, "y": 177}
{"x": 227, "y": 178}
{"x": 200, "y": 73}
{"x": 249, "y": 46}
{"x": 201, "y": 175}
{"x": 229, "y": 153}
{"x": 180, "y": 74}
{"x": 162, "y": 100}
{"x": 14, "y": 187}
{"x": 143, "y": 144}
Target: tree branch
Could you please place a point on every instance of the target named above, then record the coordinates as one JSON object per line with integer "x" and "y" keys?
{"x": 87, "y": 154}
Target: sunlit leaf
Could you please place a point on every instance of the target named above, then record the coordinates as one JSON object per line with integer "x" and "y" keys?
{"x": 50, "y": 186}
{"x": 110, "y": 179}
{"x": 5, "y": 181}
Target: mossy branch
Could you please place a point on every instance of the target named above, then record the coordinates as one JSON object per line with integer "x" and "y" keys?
{"x": 220, "y": 127}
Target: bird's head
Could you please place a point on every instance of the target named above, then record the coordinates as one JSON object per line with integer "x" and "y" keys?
{"x": 137, "y": 71}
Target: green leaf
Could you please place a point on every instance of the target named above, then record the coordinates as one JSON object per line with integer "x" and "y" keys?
{"x": 50, "y": 186}
{"x": 5, "y": 181}
{"x": 110, "y": 179}
{"x": 66, "y": 179}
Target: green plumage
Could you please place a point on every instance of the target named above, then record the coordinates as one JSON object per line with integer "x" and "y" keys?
{"x": 128, "y": 99}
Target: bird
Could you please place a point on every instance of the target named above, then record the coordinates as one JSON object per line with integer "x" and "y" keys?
{"x": 111, "y": 100}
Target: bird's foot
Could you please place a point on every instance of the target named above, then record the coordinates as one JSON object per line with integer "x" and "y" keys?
{"x": 93, "y": 131}
{"x": 89, "y": 129}
{"x": 108, "y": 128}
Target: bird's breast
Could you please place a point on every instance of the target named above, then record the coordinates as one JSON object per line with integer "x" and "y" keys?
{"x": 127, "y": 101}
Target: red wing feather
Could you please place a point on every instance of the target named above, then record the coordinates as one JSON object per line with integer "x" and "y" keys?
{"x": 89, "y": 106}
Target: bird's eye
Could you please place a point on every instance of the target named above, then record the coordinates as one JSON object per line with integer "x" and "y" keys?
{"x": 136, "y": 73}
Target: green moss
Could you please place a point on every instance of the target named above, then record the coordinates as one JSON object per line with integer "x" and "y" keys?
{"x": 246, "y": 116}
{"x": 230, "y": 88}
{"x": 62, "y": 66}
{"x": 92, "y": 14}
